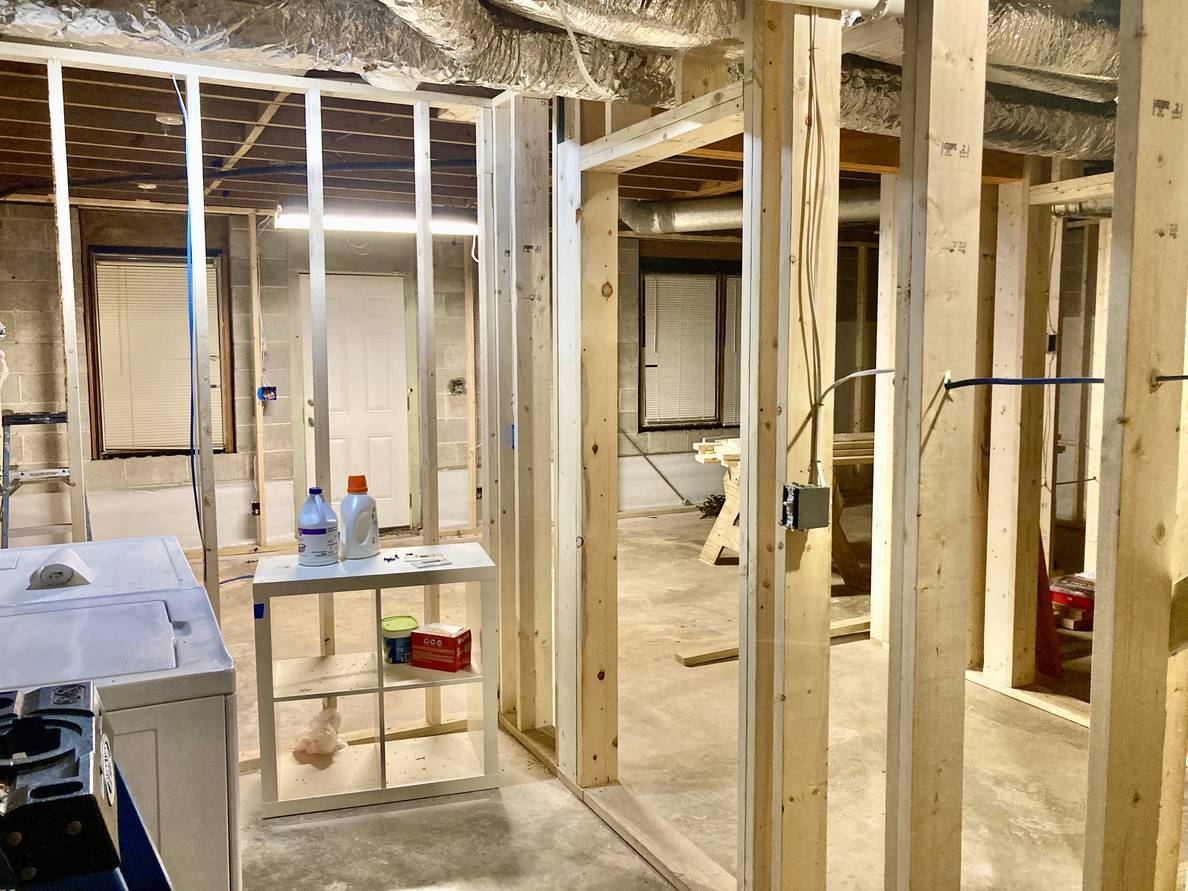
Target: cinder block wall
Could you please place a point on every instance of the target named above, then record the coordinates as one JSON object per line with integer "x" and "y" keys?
{"x": 29, "y": 307}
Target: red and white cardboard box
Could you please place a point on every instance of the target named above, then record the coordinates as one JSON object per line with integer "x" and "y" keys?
{"x": 441, "y": 647}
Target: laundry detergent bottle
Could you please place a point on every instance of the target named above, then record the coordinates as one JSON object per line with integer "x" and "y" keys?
{"x": 317, "y": 531}
{"x": 360, "y": 522}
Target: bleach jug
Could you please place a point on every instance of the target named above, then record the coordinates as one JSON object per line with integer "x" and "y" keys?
{"x": 317, "y": 531}
{"x": 360, "y": 523}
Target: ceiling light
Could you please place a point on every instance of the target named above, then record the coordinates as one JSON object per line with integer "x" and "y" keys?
{"x": 148, "y": 187}
{"x": 169, "y": 119}
{"x": 388, "y": 222}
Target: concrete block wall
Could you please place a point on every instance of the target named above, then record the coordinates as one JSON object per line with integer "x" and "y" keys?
{"x": 29, "y": 306}
{"x": 449, "y": 290}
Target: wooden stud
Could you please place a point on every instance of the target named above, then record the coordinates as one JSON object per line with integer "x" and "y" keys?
{"x": 1072, "y": 190}
{"x": 1016, "y": 436}
{"x": 943, "y": 86}
{"x": 258, "y": 379}
{"x": 567, "y": 467}
{"x": 427, "y": 371}
{"x": 598, "y": 631}
{"x": 472, "y": 434}
{"x": 1101, "y": 313}
{"x": 789, "y": 304}
{"x": 975, "y": 622}
{"x": 74, "y": 424}
{"x": 695, "y": 124}
{"x": 503, "y": 455}
{"x": 201, "y": 351}
{"x": 1140, "y": 449}
{"x": 882, "y": 485}
{"x": 531, "y": 307}
{"x": 320, "y": 365}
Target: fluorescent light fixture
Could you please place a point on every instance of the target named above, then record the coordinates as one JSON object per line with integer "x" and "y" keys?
{"x": 386, "y": 222}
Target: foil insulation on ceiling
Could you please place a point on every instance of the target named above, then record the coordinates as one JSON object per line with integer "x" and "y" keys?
{"x": 665, "y": 24}
{"x": 1016, "y": 120}
{"x": 354, "y": 36}
{"x": 1066, "y": 47}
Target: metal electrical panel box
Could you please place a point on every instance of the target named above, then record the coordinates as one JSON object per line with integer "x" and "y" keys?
{"x": 806, "y": 507}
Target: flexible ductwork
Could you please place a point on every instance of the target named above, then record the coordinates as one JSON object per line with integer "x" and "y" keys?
{"x": 714, "y": 214}
{"x": 666, "y": 24}
{"x": 1016, "y": 120}
{"x": 359, "y": 36}
{"x": 1066, "y": 47}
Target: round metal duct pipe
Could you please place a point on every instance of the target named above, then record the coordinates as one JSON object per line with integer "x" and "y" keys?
{"x": 715, "y": 214}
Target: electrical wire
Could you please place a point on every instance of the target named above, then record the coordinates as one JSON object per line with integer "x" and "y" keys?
{"x": 1020, "y": 382}
{"x": 559, "y": 5}
{"x": 854, "y": 375}
{"x": 810, "y": 242}
{"x": 474, "y": 248}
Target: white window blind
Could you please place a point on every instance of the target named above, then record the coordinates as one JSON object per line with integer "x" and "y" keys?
{"x": 731, "y": 356}
{"x": 680, "y": 348}
{"x": 144, "y": 353}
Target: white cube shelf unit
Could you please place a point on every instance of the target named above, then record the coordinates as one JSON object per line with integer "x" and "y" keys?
{"x": 378, "y": 769}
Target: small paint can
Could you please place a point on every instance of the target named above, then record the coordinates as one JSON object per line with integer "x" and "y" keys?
{"x": 397, "y": 632}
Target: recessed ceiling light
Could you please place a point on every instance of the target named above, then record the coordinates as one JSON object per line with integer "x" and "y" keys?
{"x": 148, "y": 187}
{"x": 169, "y": 119}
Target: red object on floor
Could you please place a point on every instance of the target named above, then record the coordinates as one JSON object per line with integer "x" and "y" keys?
{"x": 1047, "y": 644}
{"x": 441, "y": 647}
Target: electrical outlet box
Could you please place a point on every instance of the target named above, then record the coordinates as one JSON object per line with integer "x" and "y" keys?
{"x": 807, "y": 507}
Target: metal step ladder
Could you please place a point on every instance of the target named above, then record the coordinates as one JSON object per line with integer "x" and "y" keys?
{"x": 11, "y": 480}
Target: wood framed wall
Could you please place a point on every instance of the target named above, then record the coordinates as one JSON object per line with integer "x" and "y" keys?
{"x": 1140, "y": 448}
{"x": 791, "y": 132}
{"x": 935, "y": 432}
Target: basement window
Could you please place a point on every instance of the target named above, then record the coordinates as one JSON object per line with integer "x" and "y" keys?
{"x": 140, "y": 355}
{"x": 689, "y": 350}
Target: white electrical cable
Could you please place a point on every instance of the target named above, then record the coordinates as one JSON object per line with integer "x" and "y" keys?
{"x": 577, "y": 51}
{"x": 474, "y": 248}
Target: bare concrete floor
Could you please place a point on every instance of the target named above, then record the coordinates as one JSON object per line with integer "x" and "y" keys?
{"x": 1025, "y": 769}
{"x": 531, "y": 832}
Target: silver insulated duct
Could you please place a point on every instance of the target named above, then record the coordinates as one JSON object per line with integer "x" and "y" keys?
{"x": 665, "y": 24}
{"x": 1016, "y": 120}
{"x": 354, "y": 36}
{"x": 715, "y": 214}
{"x": 1066, "y": 47}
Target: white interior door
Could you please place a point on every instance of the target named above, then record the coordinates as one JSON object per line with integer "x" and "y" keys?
{"x": 368, "y": 389}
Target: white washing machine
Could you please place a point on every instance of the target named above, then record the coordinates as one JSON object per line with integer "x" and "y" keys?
{"x": 143, "y": 629}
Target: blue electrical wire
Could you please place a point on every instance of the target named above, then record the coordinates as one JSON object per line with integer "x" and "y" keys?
{"x": 1020, "y": 381}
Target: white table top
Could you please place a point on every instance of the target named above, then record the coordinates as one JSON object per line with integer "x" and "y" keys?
{"x": 283, "y": 575}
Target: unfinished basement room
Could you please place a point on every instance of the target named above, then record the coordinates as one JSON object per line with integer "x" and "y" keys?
{"x": 593, "y": 444}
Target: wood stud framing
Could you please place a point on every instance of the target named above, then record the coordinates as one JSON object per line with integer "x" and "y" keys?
{"x": 74, "y": 427}
{"x": 201, "y": 343}
{"x": 1140, "y": 448}
{"x": 531, "y": 300}
{"x": 941, "y": 146}
{"x": 427, "y": 371}
{"x": 883, "y": 503}
{"x": 791, "y": 131}
{"x": 1016, "y": 435}
{"x": 320, "y": 366}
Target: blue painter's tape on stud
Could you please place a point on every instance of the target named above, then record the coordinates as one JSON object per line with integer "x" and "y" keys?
{"x": 258, "y": 609}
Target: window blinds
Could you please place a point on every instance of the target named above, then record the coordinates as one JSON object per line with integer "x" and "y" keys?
{"x": 144, "y": 354}
{"x": 680, "y": 348}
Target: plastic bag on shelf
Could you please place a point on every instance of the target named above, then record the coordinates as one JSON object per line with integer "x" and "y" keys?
{"x": 321, "y": 736}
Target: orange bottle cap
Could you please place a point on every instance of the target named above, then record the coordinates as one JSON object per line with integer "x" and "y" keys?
{"x": 357, "y": 483}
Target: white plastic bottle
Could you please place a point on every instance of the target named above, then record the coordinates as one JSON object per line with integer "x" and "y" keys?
{"x": 317, "y": 531}
{"x": 360, "y": 523}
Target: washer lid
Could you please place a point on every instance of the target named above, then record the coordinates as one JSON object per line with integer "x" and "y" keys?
{"x": 86, "y": 643}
